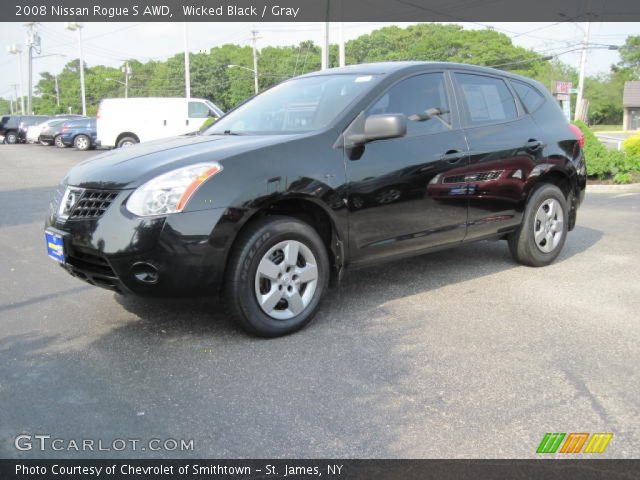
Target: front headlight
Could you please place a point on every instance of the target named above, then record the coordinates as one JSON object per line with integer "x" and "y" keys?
{"x": 170, "y": 192}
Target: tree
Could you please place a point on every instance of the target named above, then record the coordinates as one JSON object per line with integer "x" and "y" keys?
{"x": 630, "y": 54}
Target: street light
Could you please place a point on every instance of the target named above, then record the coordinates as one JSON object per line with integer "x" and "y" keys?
{"x": 255, "y": 74}
{"x": 73, "y": 26}
{"x": 17, "y": 50}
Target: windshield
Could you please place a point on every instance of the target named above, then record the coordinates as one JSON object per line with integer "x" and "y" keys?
{"x": 295, "y": 106}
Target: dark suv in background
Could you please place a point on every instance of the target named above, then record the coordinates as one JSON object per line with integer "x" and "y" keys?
{"x": 331, "y": 170}
{"x": 14, "y": 127}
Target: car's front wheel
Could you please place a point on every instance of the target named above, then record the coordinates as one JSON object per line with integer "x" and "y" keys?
{"x": 277, "y": 275}
{"x": 544, "y": 227}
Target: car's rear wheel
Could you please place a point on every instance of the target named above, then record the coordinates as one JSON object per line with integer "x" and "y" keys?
{"x": 127, "y": 142}
{"x": 58, "y": 142}
{"x": 543, "y": 231}
{"x": 11, "y": 138}
{"x": 82, "y": 142}
{"x": 276, "y": 277}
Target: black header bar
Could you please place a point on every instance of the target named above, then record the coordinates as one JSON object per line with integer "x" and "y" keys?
{"x": 318, "y": 10}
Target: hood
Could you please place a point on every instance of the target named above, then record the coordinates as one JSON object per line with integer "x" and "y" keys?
{"x": 130, "y": 167}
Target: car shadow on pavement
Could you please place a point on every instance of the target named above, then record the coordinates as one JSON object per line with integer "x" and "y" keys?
{"x": 361, "y": 289}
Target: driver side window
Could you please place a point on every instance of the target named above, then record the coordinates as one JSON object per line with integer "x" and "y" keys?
{"x": 198, "y": 110}
{"x": 413, "y": 97}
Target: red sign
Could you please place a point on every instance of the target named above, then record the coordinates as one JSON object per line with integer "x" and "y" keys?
{"x": 562, "y": 87}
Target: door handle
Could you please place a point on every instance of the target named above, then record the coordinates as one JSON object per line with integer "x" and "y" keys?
{"x": 186, "y": 122}
{"x": 453, "y": 156}
{"x": 533, "y": 144}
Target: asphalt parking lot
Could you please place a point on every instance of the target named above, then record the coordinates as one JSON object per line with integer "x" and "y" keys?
{"x": 461, "y": 353}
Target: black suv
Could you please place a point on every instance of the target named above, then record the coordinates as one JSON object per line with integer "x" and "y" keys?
{"x": 14, "y": 127}
{"x": 330, "y": 170}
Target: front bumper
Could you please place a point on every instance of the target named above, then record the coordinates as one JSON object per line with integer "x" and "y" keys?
{"x": 187, "y": 250}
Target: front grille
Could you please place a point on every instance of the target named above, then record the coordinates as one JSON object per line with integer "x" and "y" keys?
{"x": 90, "y": 263}
{"x": 92, "y": 204}
{"x": 93, "y": 269}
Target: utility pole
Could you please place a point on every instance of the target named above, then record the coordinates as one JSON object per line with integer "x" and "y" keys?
{"x": 57, "y": 91}
{"x": 73, "y": 26}
{"x": 187, "y": 72}
{"x": 17, "y": 50}
{"x": 254, "y": 39}
{"x": 15, "y": 96}
{"x": 579, "y": 112}
{"x": 341, "y": 51}
{"x": 127, "y": 74}
{"x": 324, "y": 61}
{"x": 33, "y": 42}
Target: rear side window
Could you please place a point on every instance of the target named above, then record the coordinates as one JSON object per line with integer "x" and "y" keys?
{"x": 529, "y": 96}
{"x": 413, "y": 97}
{"x": 486, "y": 99}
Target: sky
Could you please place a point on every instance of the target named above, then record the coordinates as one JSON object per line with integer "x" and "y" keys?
{"x": 109, "y": 43}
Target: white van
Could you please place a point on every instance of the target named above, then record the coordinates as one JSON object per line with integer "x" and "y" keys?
{"x": 124, "y": 121}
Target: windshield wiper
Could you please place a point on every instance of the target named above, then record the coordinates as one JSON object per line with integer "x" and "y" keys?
{"x": 227, "y": 132}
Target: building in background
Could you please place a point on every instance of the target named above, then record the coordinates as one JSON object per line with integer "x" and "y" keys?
{"x": 631, "y": 105}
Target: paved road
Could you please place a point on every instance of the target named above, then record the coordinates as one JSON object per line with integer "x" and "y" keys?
{"x": 613, "y": 140}
{"x": 457, "y": 354}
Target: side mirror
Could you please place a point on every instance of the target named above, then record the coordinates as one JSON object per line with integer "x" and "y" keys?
{"x": 380, "y": 127}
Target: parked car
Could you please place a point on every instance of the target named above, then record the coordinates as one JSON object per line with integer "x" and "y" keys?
{"x": 123, "y": 122}
{"x": 262, "y": 206}
{"x": 79, "y": 133}
{"x": 26, "y": 122}
{"x": 13, "y": 127}
{"x": 34, "y": 131}
{"x": 51, "y": 134}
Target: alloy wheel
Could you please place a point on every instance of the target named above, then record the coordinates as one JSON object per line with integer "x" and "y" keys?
{"x": 548, "y": 225}
{"x": 82, "y": 143}
{"x": 286, "y": 279}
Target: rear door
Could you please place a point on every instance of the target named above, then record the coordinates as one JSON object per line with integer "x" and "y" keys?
{"x": 396, "y": 205}
{"x": 505, "y": 147}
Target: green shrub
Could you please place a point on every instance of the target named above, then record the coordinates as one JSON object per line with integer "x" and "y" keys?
{"x": 632, "y": 145}
{"x": 603, "y": 163}
{"x": 622, "y": 178}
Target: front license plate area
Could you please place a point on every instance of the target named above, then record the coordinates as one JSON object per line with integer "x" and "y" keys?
{"x": 55, "y": 245}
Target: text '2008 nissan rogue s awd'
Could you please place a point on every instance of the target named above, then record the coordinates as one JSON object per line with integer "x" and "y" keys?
{"x": 329, "y": 170}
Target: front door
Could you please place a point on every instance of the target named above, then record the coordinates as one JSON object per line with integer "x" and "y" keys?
{"x": 397, "y": 202}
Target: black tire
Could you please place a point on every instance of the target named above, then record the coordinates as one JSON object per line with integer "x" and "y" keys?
{"x": 82, "y": 142}
{"x": 248, "y": 252}
{"x": 57, "y": 141}
{"x": 11, "y": 138}
{"x": 522, "y": 242}
{"x": 127, "y": 142}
